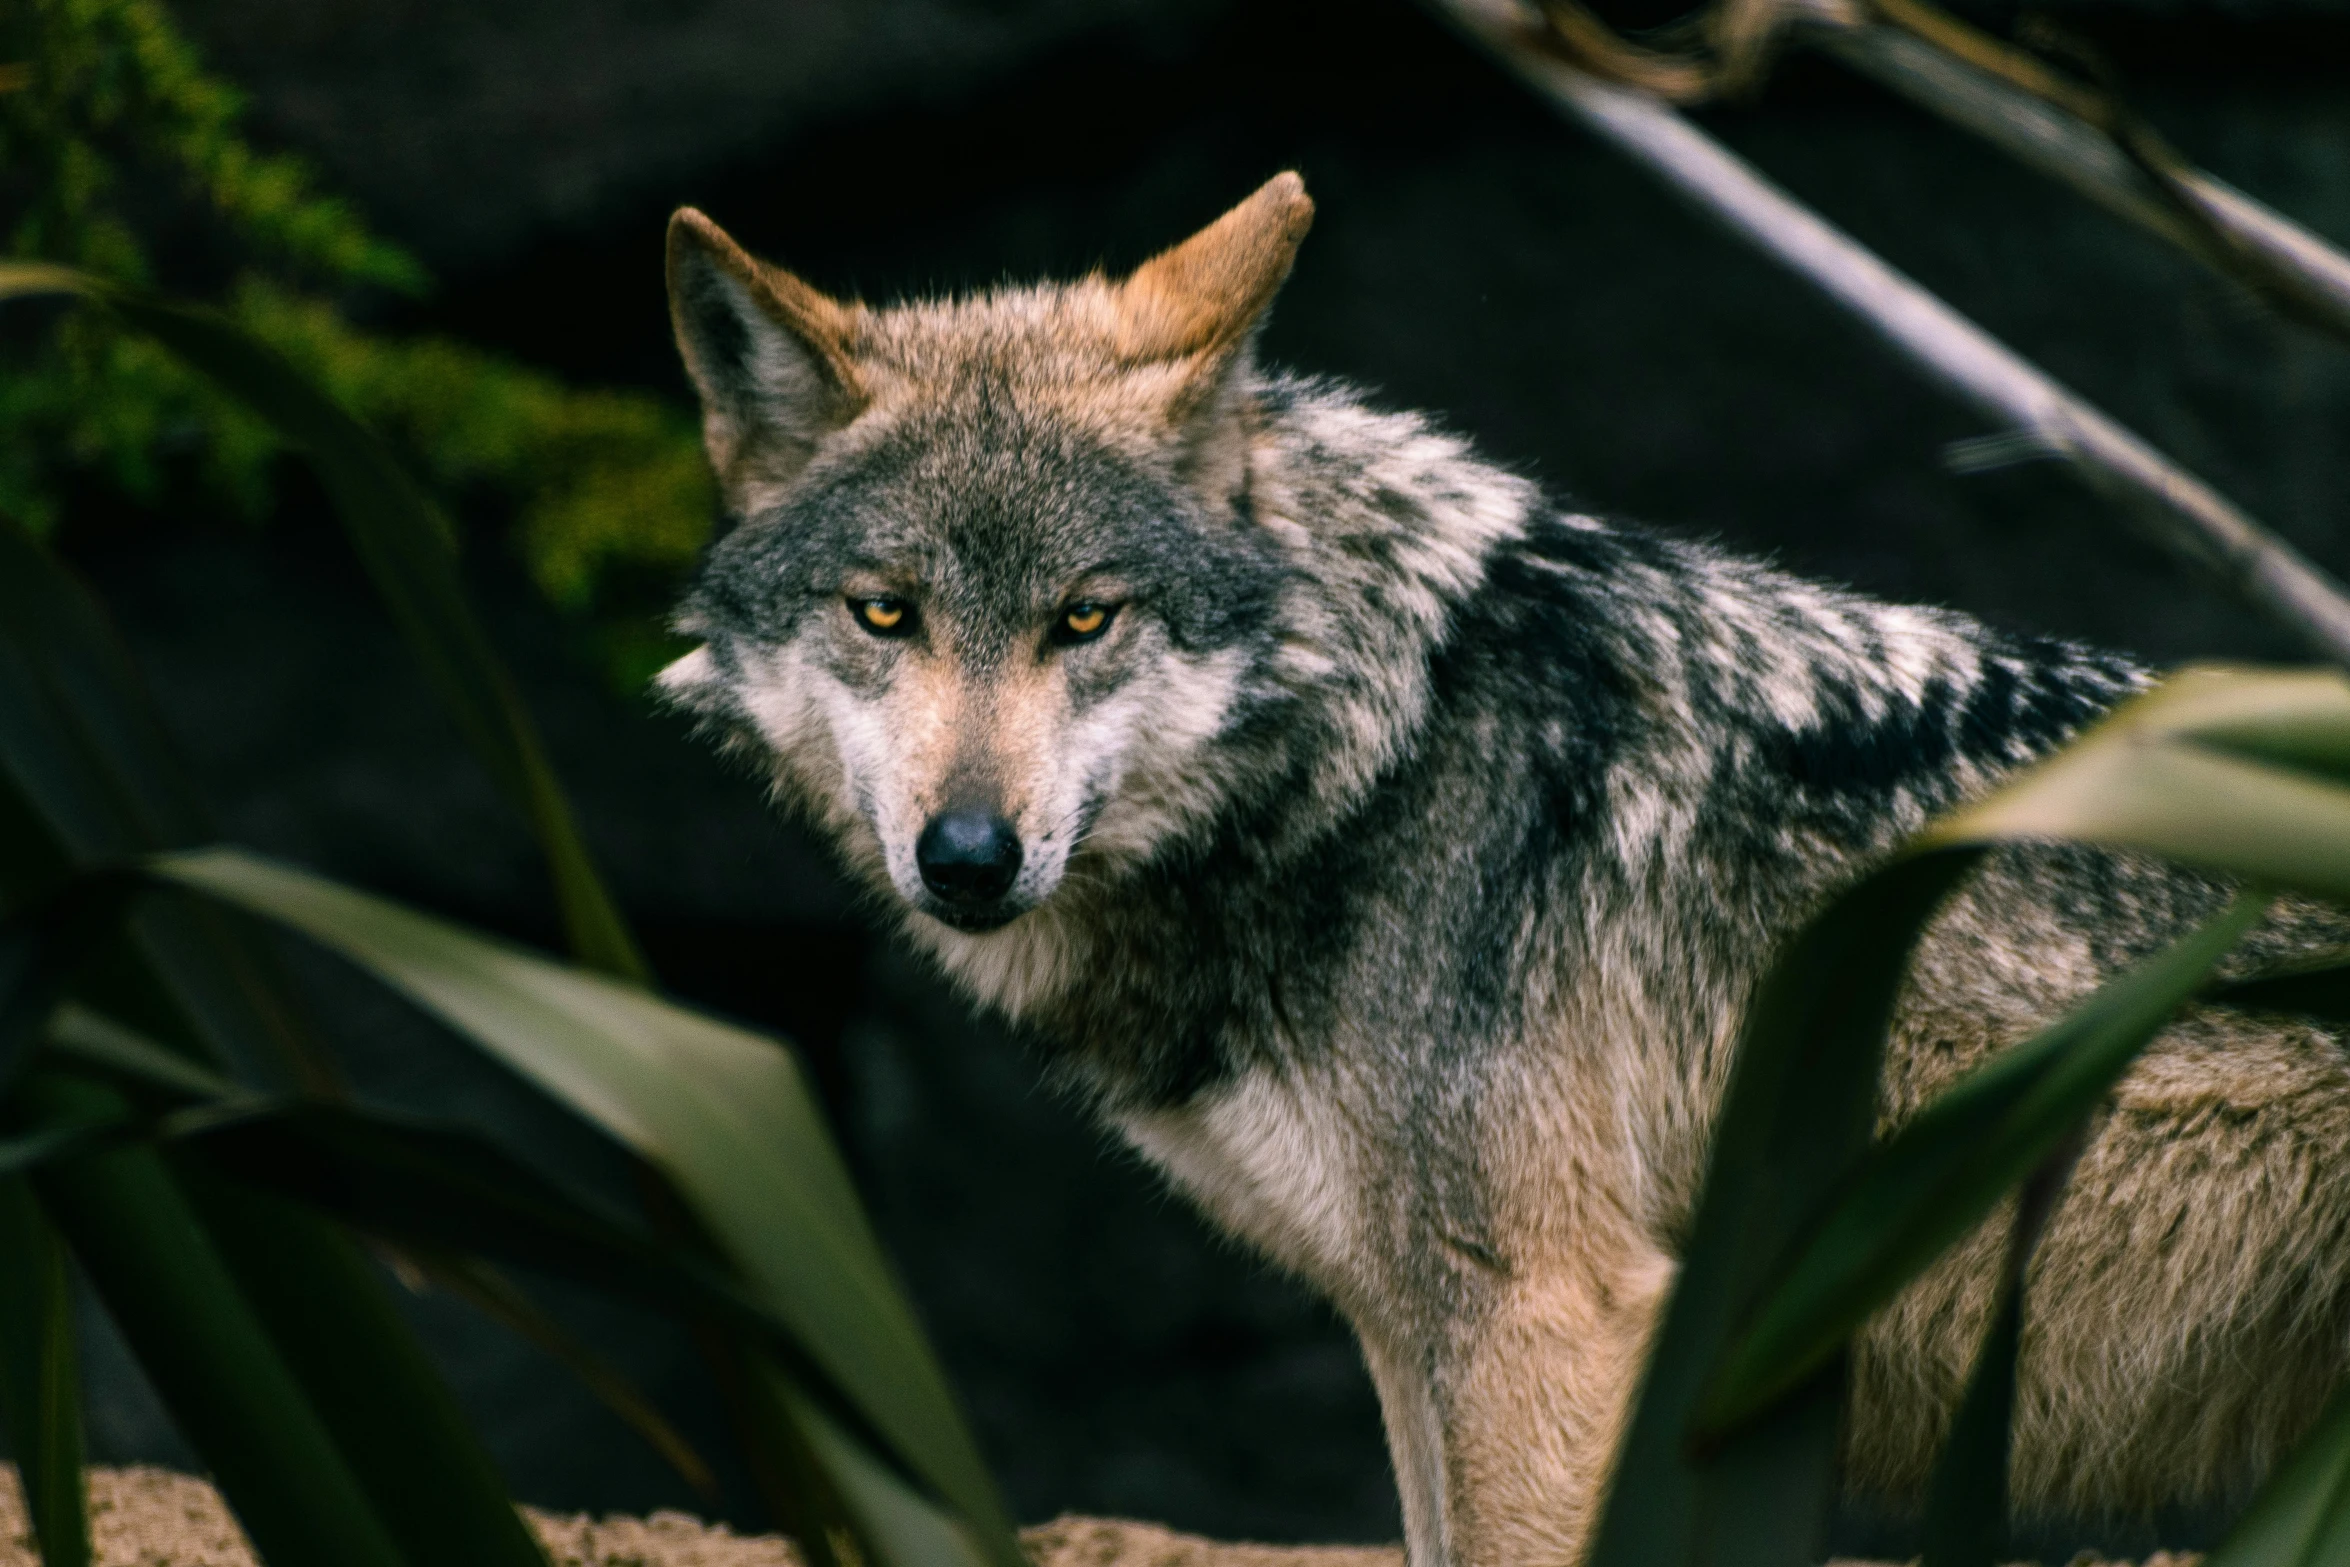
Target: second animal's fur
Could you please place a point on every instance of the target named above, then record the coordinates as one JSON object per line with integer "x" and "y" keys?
{"x": 1389, "y": 855}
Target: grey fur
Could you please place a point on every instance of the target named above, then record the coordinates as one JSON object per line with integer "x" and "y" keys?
{"x": 1412, "y": 847}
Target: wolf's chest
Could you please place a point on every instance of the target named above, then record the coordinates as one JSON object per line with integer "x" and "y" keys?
{"x": 1273, "y": 1158}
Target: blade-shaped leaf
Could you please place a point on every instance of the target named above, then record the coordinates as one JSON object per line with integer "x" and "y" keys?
{"x": 29, "y": 1151}
{"x": 2319, "y": 991}
{"x": 40, "y": 1392}
{"x": 888, "y": 1517}
{"x": 1966, "y": 1501}
{"x": 97, "y": 1043}
{"x": 2164, "y": 774}
{"x": 446, "y": 1189}
{"x": 507, "y": 1303}
{"x": 89, "y": 779}
{"x": 442, "y": 1186}
{"x": 1800, "y": 1107}
{"x": 177, "y": 1306}
{"x": 2301, "y": 1518}
{"x": 391, "y": 1416}
{"x": 2294, "y": 719}
{"x": 1936, "y": 1178}
{"x": 796, "y": 1487}
{"x": 43, "y": 948}
{"x": 722, "y": 1113}
{"x": 405, "y": 543}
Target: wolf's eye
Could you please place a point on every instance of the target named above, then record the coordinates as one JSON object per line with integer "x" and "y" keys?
{"x": 1083, "y": 622}
{"x": 884, "y": 617}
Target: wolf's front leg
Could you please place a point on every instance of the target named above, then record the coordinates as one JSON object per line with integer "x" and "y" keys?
{"x": 1502, "y": 1433}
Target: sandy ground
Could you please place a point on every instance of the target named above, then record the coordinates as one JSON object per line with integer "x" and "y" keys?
{"x": 142, "y": 1517}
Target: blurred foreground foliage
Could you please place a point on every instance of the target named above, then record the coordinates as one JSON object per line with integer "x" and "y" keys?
{"x": 167, "y": 1122}
{"x": 124, "y": 158}
{"x": 171, "y": 1126}
{"x": 175, "y": 1128}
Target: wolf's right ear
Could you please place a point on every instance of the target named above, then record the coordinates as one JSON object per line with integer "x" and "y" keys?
{"x": 1201, "y": 300}
{"x": 772, "y": 357}
{"x": 1195, "y": 310}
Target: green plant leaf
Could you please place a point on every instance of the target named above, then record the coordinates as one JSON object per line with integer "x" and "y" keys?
{"x": 2174, "y": 773}
{"x": 177, "y": 1306}
{"x": 1800, "y": 1107}
{"x": 97, "y": 1043}
{"x": 1966, "y": 1500}
{"x": 405, "y": 543}
{"x": 444, "y": 1190}
{"x": 392, "y": 1418}
{"x": 93, "y": 1042}
{"x": 721, "y": 1113}
{"x": 29, "y": 1151}
{"x": 2299, "y": 721}
{"x": 1912, "y": 1196}
{"x": 441, "y": 1186}
{"x": 885, "y": 1515}
{"x": 2301, "y": 1518}
{"x": 2319, "y": 991}
{"x": 507, "y": 1303}
{"x": 88, "y": 780}
{"x": 1967, "y": 1497}
{"x": 40, "y": 1392}
{"x": 2180, "y": 772}
{"x": 43, "y": 947}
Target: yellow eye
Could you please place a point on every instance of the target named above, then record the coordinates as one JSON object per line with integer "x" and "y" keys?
{"x": 1081, "y": 623}
{"x": 887, "y": 617}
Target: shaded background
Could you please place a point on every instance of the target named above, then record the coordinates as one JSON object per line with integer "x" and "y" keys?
{"x": 1473, "y": 255}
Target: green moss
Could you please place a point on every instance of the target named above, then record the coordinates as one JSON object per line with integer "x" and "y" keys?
{"x": 112, "y": 136}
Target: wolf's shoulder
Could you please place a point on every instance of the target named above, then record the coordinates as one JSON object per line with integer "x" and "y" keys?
{"x": 1623, "y": 647}
{"x": 1798, "y": 687}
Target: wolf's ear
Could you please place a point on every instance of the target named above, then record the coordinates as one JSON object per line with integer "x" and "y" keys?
{"x": 1195, "y": 310}
{"x": 1203, "y": 298}
{"x": 772, "y": 358}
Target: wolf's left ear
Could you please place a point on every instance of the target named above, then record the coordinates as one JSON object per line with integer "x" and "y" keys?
{"x": 1199, "y": 304}
{"x": 1191, "y": 314}
{"x": 772, "y": 357}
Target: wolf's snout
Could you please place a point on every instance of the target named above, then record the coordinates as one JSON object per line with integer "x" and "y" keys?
{"x": 968, "y": 857}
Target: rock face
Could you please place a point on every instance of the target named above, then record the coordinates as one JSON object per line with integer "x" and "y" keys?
{"x": 146, "y": 1517}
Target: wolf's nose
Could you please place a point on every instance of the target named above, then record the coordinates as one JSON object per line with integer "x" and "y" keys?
{"x": 968, "y": 856}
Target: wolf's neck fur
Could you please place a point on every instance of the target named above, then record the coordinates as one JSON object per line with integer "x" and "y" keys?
{"x": 1492, "y": 724}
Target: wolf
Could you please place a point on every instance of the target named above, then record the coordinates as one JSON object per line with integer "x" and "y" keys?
{"x": 1387, "y": 853}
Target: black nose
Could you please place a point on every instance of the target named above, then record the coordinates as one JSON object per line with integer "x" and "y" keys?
{"x": 968, "y": 857}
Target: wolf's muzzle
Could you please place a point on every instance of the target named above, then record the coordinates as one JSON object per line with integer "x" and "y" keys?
{"x": 968, "y": 858}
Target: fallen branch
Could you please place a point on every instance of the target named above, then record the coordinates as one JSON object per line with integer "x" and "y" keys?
{"x": 2175, "y": 508}
{"x": 2079, "y": 132}
{"x": 2297, "y": 272}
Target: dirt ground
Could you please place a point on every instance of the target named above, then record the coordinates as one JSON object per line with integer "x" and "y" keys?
{"x": 142, "y": 1517}
{"x": 145, "y": 1517}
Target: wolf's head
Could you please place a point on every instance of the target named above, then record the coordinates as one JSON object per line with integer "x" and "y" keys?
{"x": 994, "y": 585}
